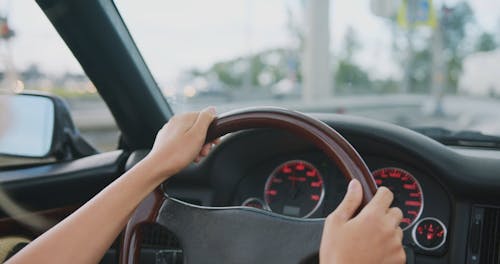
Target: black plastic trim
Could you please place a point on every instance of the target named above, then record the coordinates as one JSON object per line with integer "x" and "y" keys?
{"x": 61, "y": 184}
{"x": 99, "y": 39}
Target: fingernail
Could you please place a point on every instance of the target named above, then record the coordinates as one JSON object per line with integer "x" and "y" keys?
{"x": 352, "y": 185}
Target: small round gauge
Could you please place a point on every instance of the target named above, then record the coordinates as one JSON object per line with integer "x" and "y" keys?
{"x": 429, "y": 233}
{"x": 254, "y": 202}
{"x": 295, "y": 188}
{"x": 407, "y": 192}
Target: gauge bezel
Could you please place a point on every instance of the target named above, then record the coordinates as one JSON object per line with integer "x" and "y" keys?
{"x": 414, "y": 236}
{"x": 264, "y": 205}
{"x": 417, "y": 218}
{"x": 321, "y": 198}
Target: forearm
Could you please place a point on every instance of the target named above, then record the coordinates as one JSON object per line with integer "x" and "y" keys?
{"x": 85, "y": 235}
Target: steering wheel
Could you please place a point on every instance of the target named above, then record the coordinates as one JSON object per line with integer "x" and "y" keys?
{"x": 243, "y": 234}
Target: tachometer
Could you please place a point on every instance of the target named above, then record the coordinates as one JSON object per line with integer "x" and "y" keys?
{"x": 295, "y": 188}
{"x": 407, "y": 192}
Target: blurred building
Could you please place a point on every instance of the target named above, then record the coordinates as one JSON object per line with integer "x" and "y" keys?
{"x": 480, "y": 74}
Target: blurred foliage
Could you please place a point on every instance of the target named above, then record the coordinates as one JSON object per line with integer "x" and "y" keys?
{"x": 454, "y": 21}
{"x": 248, "y": 72}
{"x": 486, "y": 42}
{"x": 349, "y": 77}
{"x": 421, "y": 71}
{"x": 264, "y": 69}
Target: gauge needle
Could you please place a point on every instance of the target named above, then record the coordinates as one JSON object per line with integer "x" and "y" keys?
{"x": 294, "y": 191}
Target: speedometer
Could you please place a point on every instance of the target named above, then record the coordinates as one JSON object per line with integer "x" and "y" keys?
{"x": 295, "y": 188}
{"x": 407, "y": 192}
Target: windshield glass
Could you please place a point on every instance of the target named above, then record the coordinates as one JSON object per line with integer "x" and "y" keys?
{"x": 416, "y": 63}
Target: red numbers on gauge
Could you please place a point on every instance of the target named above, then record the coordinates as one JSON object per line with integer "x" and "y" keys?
{"x": 407, "y": 192}
{"x": 295, "y": 188}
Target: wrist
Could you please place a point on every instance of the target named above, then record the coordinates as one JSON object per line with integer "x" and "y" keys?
{"x": 156, "y": 169}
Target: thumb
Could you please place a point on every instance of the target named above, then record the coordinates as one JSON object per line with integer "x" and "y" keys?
{"x": 351, "y": 202}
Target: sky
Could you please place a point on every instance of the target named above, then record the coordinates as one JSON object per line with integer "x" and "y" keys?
{"x": 176, "y": 35}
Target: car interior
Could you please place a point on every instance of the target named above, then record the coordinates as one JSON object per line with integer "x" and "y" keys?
{"x": 262, "y": 194}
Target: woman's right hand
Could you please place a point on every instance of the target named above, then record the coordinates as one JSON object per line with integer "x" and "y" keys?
{"x": 180, "y": 142}
{"x": 371, "y": 237}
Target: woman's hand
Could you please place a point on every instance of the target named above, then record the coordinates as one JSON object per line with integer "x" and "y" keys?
{"x": 180, "y": 142}
{"x": 373, "y": 236}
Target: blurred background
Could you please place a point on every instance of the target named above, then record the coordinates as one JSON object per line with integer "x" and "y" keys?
{"x": 415, "y": 63}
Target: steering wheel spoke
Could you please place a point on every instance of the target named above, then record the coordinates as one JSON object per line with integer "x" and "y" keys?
{"x": 230, "y": 234}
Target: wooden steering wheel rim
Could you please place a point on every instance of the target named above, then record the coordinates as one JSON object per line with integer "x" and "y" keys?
{"x": 336, "y": 147}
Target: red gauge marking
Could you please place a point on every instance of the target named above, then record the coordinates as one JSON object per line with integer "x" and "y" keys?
{"x": 315, "y": 197}
{"x": 271, "y": 192}
{"x": 295, "y": 188}
{"x": 395, "y": 174}
{"x": 407, "y": 192}
{"x": 430, "y": 233}
{"x": 413, "y": 203}
{"x": 316, "y": 184}
{"x": 295, "y": 178}
{"x": 412, "y": 186}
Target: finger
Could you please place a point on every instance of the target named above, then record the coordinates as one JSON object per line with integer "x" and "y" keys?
{"x": 183, "y": 122}
{"x": 395, "y": 216}
{"x": 187, "y": 118}
{"x": 216, "y": 141}
{"x": 382, "y": 199}
{"x": 399, "y": 234}
{"x": 205, "y": 150}
{"x": 351, "y": 202}
{"x": 197, "y": 159}
{"x": 205, "y": 117}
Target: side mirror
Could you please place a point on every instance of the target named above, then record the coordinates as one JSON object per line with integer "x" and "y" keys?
{"x": 39, "y": 126}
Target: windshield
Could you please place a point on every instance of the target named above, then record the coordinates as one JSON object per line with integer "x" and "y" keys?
{"x": 416, "y": 63}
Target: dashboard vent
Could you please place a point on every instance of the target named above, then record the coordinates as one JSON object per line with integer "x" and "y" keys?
{"x": 159, "y": 245}
{"x": 484, "y": 236}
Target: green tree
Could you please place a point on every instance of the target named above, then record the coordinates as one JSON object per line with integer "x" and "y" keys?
{"x": 239, "y": 72}
{"x": 421, "y": 65}
{"x": 351, "y": 43}
{"x": 349, "y": 77}
{"x": 454, "y": 21}
{"x": 486, "y": 42}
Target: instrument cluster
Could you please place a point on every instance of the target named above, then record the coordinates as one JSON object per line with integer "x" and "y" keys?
{"x": 307, "y": 186}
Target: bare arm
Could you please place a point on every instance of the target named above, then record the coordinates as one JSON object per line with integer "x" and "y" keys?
{"x": 85, "y": 235}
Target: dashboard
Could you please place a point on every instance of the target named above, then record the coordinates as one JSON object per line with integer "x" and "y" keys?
{"x": 449, "y": 195}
